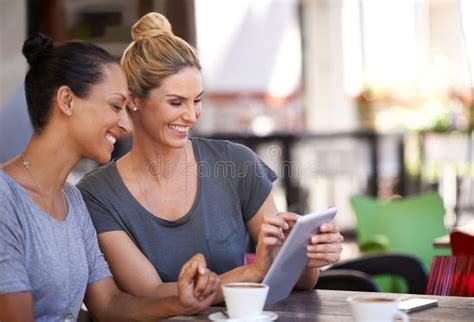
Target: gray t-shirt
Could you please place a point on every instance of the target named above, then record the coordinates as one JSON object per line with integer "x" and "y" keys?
{"x": 232, "y": 185}
{"x": 54, "y": 260}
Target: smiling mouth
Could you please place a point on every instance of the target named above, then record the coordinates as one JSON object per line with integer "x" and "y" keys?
{"x": 179, "y": 128}
{"x": 110, "y": 138}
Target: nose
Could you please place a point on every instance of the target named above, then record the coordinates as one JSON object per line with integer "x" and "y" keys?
{"x": 190, "y": 114}
{"x": 123, "y": 122}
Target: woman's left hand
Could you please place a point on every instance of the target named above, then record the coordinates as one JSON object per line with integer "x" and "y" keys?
{"x": 325, "y": 247}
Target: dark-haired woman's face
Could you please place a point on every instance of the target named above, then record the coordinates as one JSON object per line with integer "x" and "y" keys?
{"x": 100, "y": 118}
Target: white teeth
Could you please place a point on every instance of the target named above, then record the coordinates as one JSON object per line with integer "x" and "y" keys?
{"x": 179, "y": 128}
{"x": 110, "y": 138}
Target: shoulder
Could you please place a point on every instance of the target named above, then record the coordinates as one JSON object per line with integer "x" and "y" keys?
{"x": 223, "y": 150}
{"x": 6, "y": 189}
{"x": 98, "y": 179}
{"x": 10, "y": 201}
{"x": 9, "y": 193}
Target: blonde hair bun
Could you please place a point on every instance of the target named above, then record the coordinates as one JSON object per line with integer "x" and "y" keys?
{"x": 151, "y": 25}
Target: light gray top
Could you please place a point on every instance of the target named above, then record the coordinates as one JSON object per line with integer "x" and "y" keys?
{"x": 233, "y": 183}
{"x": 54, "y": 260}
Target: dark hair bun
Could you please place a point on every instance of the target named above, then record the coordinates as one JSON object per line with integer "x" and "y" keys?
{"x": 35, "y": 45}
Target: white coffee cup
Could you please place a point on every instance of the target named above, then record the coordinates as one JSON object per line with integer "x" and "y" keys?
{"x": 376, "y": 308}
{"x": 244, "y": 300}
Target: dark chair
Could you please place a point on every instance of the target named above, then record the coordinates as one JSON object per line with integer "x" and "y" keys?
{"x": 407, "y": 267}
{"x": 346, "y": 280}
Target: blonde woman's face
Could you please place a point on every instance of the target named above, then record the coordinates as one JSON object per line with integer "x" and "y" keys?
{"x": 171, "y": 110}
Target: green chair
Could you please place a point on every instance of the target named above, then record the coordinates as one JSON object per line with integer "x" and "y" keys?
{"x": 407, "y": 225}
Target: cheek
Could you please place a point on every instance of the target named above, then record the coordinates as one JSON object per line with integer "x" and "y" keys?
{"x": 107, "y": 116}
{"x": 198, "y": 111}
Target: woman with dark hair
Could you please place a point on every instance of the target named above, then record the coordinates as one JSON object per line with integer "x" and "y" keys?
{"x": 49, "y": 256}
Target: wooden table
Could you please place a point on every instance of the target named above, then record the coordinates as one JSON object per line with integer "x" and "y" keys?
{"x": 327, "y": 305}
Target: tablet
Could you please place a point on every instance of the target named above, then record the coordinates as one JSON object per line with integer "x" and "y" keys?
{"x": 291, "y": 259}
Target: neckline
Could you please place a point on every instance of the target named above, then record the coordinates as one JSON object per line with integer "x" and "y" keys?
{"x": 26, "y": 197}
{"x": 138, "y": 206}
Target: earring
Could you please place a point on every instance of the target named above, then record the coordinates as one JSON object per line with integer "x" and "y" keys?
{"x": 134, "y": 109}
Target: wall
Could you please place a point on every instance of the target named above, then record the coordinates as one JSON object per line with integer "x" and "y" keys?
{"x": 12, "y": 35}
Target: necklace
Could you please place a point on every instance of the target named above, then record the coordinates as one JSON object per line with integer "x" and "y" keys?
{"x": 68, "y": 316}
{"x": 137, "y": 176}
{"x": 26, "y": 165}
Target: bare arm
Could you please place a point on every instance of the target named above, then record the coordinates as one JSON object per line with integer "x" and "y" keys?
{"x": 16, "y": 307}
{"x": 136, "y": 275}
{"x": 133, "y": 272}
{"x": 107, "y": 303}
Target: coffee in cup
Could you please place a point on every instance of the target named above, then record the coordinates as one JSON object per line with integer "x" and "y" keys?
{"x": 376, "y": 308}
{"x": 245, "y": 300}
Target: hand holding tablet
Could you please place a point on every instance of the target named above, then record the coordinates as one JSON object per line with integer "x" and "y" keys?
{"x": 292, "y": 258}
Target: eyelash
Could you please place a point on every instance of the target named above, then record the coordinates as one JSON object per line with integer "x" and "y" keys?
{"x": 179, "y": 103}
{"x": 118, "y": 108}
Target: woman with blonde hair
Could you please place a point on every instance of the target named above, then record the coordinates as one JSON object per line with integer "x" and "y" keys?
{"x": 50, "y": 261}
{"x": 174, "y": 195}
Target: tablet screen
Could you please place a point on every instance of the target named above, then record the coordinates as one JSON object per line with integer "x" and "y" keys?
{"x": 291, "y": 260}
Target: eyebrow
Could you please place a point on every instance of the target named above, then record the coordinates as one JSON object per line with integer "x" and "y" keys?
{"x": 120, "y": 94}
{"x": 182, "y": 97}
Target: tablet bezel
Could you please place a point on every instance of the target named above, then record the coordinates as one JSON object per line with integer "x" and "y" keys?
{"x": 291, "y": 259}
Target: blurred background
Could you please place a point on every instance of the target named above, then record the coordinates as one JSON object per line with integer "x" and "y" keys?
{"x": 339, "y": 97}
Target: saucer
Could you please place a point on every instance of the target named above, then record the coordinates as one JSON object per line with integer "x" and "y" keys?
{"x": 266, "y": 316}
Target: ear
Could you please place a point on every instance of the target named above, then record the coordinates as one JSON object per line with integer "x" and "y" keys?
{"x": 64, "y": 97}
{"x": 132, "y": 102}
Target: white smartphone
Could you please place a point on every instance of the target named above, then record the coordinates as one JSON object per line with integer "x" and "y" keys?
{"x": 416, "y": 304}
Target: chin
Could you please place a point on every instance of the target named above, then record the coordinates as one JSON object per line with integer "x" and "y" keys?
{"x": 102, "y": 158}
{"x": 179, "y": 141}
{"x": 178, "y": 144}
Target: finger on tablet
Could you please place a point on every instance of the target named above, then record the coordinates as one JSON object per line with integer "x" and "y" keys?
{"x": 329, "y": 227}
{"x": 327, "y": 238}
{"x": 272, "y": 231}
{"x": 324, "y": 248}
{"x": 289, "y": 217}
{"x": 275, "y": 221}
